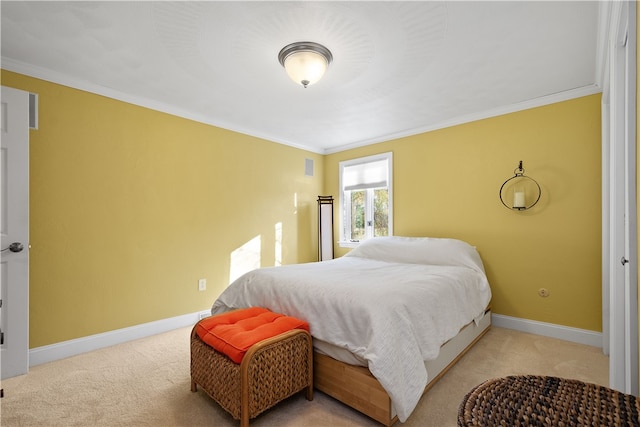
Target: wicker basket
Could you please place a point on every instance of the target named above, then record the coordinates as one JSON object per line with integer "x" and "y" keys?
{"x": 546, "y": 401}
{"x": 271, "y": 371}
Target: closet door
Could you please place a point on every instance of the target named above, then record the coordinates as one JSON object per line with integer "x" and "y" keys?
{"x": 622, "y": 258}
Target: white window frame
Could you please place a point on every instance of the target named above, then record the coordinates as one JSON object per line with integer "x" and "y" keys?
{"x": 344, "y": 241}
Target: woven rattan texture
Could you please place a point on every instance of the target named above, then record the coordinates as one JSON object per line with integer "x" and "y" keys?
{"x": 274, "y": 372}
{"x": 546, "y": 401}
{"x": 217, "y": 375}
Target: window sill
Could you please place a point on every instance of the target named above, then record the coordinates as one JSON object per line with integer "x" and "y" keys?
{"x": 348, "y": 243}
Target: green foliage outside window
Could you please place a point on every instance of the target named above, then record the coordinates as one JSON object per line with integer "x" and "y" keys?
{"x": 357, "y": 214}
{"x": 381, "y": 212}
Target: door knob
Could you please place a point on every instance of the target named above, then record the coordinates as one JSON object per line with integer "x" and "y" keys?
{"x": 14, "y": 247}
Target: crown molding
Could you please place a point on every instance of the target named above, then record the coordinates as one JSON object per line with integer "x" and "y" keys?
{"x": 58, "y": 78}
{"x": 507, "y": 109}
{"x": 65, "y": 80}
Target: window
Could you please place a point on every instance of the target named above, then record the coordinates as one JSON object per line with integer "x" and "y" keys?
{"x": 365, "y": 199}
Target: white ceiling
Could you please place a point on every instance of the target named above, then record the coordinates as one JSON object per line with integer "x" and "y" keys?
{"x": 400, "y": 68}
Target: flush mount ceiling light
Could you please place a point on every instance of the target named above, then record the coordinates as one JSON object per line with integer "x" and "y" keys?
{"x": 305, "y": 62}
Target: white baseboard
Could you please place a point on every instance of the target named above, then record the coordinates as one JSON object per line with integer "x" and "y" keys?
{"x": 567, "y": 333}
{"x": 62, "y": 350}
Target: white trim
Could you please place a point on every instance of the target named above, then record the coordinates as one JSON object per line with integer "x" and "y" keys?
{"x": 622, "y": 328}
{"x": 506, "y": 109}
{"x": 567, "y": 333}
{"x": 62, "y": 350}
{"x": 59, "y": 78}
{"x": 606, "y": 221}
{"x": 64, "y": 80}
{"x": 347, "y": 244}
{"x": 343, "y": 218}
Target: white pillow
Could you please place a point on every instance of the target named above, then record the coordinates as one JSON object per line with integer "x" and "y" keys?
{"x": 419, "y": 250}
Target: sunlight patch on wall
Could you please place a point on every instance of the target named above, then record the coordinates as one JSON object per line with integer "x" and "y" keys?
{"x": 245, "y": 259}
{"x": 278, "y": 248}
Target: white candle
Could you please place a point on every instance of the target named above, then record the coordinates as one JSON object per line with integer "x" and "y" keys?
{"x": 518, "y": 199}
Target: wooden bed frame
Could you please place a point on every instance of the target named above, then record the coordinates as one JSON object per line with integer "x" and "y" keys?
{"x": 355, "y": 386}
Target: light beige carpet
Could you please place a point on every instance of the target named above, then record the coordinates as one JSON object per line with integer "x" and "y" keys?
{"x": 146, "y": 383}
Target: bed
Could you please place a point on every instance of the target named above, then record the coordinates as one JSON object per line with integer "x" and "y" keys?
{"x": 387, "y": 319}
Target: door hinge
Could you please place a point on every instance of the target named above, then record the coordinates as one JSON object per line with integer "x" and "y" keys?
{"x": 1, "y": 337}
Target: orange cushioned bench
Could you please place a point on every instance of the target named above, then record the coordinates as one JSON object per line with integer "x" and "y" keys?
{"x": 249, "y": 359}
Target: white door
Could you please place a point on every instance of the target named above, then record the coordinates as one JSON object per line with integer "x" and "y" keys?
{"x": 622, "y": 265}
{"x": 14, "y": 228}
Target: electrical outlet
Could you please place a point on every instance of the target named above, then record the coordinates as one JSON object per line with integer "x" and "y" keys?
{"x": 202, "y": 284}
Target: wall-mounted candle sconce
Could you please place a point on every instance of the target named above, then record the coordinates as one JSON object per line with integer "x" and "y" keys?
{"x": 517, "y": 192}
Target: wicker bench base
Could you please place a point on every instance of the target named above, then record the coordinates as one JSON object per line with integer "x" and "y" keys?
{"x": 546, "y": 401}
{"x": 271, "y": 371}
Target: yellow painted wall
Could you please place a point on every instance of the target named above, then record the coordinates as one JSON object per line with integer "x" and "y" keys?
{"x": 446, "y": 184}
{"x": 130, "y": 207}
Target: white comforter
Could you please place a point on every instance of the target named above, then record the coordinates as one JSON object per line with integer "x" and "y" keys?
{"x": 393, "y": 315}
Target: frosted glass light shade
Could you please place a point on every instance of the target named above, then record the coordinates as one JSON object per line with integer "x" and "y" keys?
{"x": 305, "y": 68}
{"x": 305, "y": 62}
